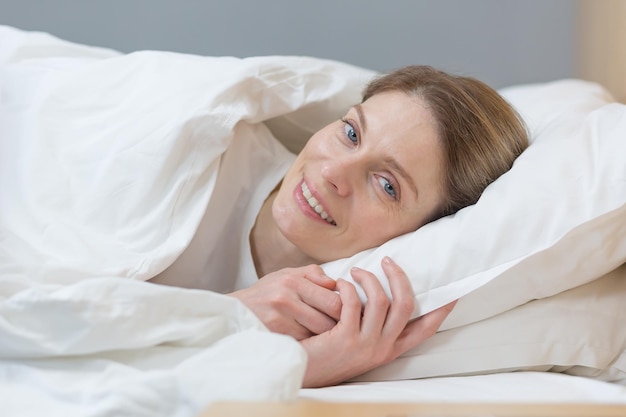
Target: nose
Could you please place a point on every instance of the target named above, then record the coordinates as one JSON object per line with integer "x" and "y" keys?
{"x": 340, "y": 175}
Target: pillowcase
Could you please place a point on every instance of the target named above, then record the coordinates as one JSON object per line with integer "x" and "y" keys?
{"x": 581, "y": 331}
{"x": 555, "y": 221}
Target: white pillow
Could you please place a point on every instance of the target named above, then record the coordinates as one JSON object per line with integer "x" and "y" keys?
{"x": 556, "y": 220}
{"x": 581, "y": 331}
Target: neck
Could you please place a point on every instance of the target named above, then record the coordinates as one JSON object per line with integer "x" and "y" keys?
{"x": 271, "y": 251}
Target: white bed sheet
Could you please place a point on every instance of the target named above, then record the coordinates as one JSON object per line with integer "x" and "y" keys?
{"x": 511, "y": 387}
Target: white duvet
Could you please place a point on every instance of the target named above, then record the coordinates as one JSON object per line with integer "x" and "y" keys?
{"x": 106, "y": 164}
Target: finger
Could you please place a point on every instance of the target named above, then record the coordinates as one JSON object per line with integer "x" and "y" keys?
{"x": 314, "y": 320}
{"x": 322, "y": 299}
{"x": 298, "y": 332}
{"x": 299, "y": 302}
{"x": 350, "y": 318}
{"x": 377, "y": 304}
{"x": 278, "y": 322}
{"x": 283, "y": 315}
{"x": 403, "y": 300}
{"x": 315, "y": 274}
{"x": 422, "y": 328}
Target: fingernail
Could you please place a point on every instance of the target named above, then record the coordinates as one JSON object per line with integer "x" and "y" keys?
{"x": 388, "y": 260}
{"x": 356, "y": 273}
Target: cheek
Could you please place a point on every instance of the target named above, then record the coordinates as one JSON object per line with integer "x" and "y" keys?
{"x": 374, "y": 227}
{"x": 383, "y": 225}
{"x": 305, "y": 160}
{"x": 320, "y": 143}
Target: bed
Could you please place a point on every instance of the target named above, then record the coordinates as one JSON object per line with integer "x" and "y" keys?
{"x": 540, "y": 327}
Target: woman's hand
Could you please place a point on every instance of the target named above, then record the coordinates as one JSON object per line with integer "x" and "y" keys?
{"x": 365, "y": 338}
{"x": 300, "y": 302}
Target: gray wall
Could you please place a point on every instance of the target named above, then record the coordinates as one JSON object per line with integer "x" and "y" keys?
{"x": 502, "y": 42}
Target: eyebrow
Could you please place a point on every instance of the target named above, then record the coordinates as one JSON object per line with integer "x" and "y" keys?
{"x": 362, "y": 120}
{"x": 391, "y": 161}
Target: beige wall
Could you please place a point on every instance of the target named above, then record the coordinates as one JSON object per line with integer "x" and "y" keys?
{"x": 601, "y": 55}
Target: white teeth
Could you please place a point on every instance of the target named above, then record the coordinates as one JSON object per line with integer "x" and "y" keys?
{"x": 315, "y": 205}
{"x": 306, "y": 191}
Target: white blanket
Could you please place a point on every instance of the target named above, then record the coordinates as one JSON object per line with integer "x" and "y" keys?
{"x": 121, "y": 347}
{"x": 106, "y": 164}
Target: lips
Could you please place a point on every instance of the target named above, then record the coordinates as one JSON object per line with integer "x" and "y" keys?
{"x": 315, "y": 204}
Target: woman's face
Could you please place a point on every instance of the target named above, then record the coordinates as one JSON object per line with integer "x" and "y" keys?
{"x": 360, "y": 181}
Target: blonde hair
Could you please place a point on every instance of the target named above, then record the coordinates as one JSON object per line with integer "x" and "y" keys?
{"x": 480, "y": 132}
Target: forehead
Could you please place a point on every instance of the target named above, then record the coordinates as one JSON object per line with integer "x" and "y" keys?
{"x": 398, "y": 121}
{"x": 397, "y": 107}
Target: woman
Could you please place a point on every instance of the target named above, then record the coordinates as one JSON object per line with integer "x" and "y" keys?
{"x": 421, "y": 145}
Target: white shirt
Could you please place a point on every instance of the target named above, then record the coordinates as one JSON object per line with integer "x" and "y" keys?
{"x": 219, "y": 257}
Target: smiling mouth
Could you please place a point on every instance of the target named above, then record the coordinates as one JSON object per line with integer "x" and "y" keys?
{"x": 315, "y": 205}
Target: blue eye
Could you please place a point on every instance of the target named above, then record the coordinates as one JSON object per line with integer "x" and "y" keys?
{"x": 387, "y": 186}
{"x": 350, "y": 133}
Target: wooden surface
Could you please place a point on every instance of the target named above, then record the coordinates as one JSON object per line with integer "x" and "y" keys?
{"x": 330, "y": 409}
